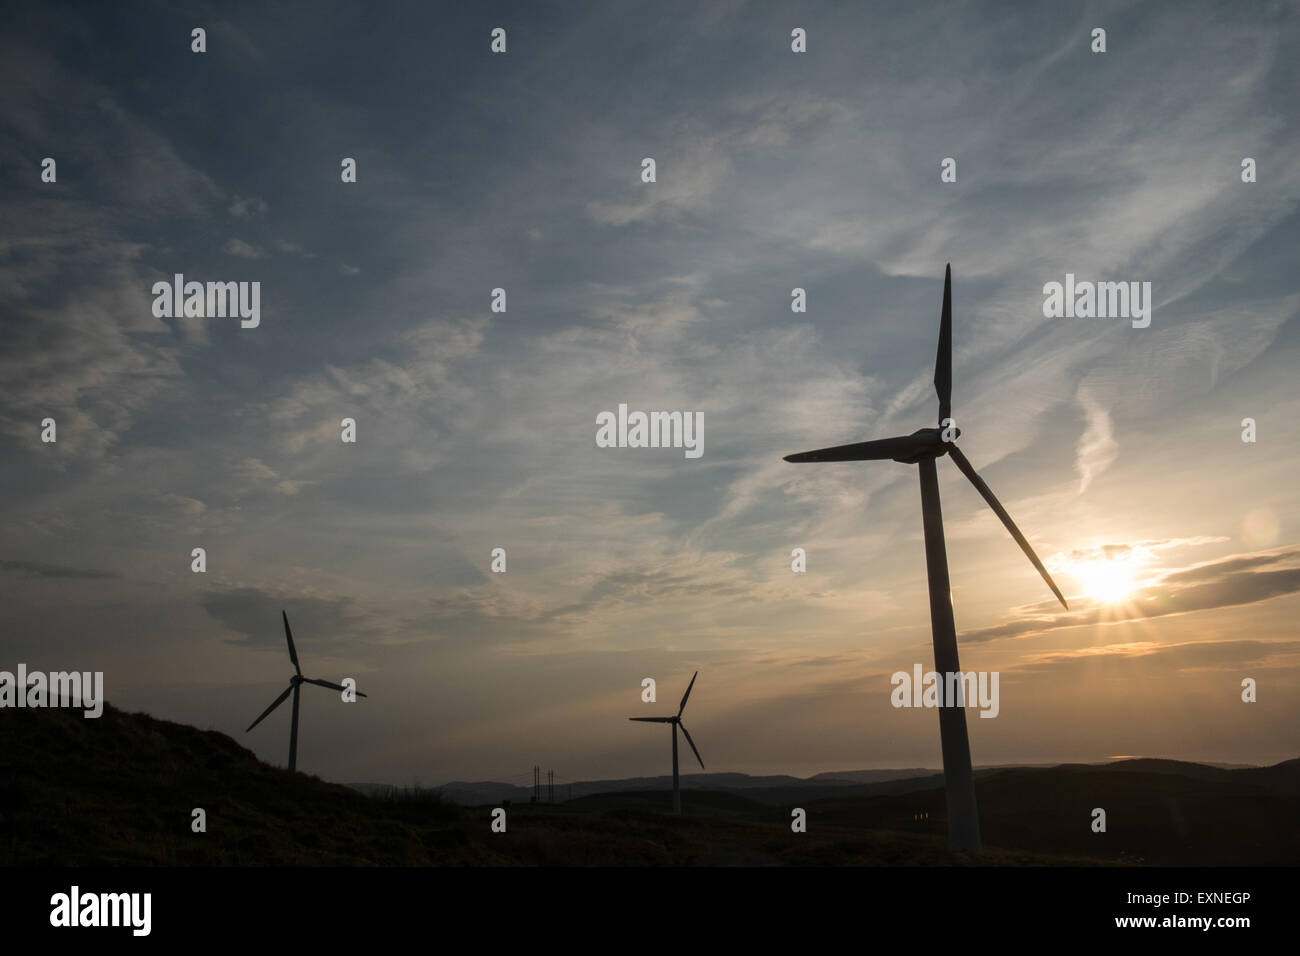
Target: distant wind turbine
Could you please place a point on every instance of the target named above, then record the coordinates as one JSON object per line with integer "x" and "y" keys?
{"x": 677, "y": 722}
{"x": 921, "y": 448}
{"x": 296, "y": 681}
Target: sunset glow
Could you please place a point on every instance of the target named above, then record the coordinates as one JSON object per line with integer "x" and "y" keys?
{"x": 1108, "y": 580}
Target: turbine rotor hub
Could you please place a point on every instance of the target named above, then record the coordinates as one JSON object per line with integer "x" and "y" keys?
{"x": 930, "y": 444}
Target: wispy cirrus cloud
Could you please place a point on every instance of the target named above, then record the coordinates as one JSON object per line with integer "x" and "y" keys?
{"x": 1097, "y": 446}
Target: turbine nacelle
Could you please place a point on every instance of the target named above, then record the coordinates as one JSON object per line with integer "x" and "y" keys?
{"x": 929, "y": 443}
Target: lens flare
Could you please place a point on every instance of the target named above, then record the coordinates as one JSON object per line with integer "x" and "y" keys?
{"x": 1259, "y": 529}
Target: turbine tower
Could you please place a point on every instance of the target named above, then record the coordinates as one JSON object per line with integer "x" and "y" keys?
{"x": 677, "y": 722}
{"x": 295, "y": 682}
{"x": 922, "y": 448}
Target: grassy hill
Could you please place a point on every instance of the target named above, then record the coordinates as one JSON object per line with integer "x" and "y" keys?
{"x": 120, "y": 790}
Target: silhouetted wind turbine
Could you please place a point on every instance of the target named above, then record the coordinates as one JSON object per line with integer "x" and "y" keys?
{"x": 295, "y": 682}
{"x": 677, "y": 722}
{"x": 921, "y": 448}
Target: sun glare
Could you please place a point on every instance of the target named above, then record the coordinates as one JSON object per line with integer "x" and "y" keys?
{"x": 1105, "y": 579}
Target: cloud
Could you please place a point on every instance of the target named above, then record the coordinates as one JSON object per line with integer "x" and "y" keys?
{"x": 75, "y": 351}
{"x": 426, "y": 366}
{"x": 247, "y": 208}
{"x": 226, "y": 35}
{"x": 323, "y": 625}
{"x": 1147, "y": 657}
{"x": 1141, "y": 549}
{"x": 693, "y": 166}
{"x": 79, "y": 342}
{"x": 292, "y": 248}
{"x": 244, "y": 250}
{"x": 191, "y": 506}
{"x": 1097, "y": 447}
{"x": 680, "y": 580}
{"x": 257, "y": 470}
{"x": 478, "y": 619}
{"x": 41, "y": 570}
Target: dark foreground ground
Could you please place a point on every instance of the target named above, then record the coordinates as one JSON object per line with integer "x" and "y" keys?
{"x": 120, "y": 790}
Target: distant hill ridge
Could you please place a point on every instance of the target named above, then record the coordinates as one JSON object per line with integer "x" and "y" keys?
{"x": 120, "y": 791}
{"x": 779, "y": 788}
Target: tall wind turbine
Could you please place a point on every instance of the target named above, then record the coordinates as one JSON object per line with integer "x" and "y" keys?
{"x": 295, "y": 682}
{"x": 921, "y": 448}
{"x": 677, "y": 722}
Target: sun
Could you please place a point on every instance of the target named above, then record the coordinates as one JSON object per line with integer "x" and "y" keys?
{"x": 1108, "y": 580}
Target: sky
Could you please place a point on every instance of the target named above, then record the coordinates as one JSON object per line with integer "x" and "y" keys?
{"x": 1117, "y": 449}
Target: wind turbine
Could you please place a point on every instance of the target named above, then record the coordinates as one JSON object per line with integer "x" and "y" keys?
{"x": 921, "y": 448}
{"x": 677, "y": 722}
{"x": 295, "y": 682}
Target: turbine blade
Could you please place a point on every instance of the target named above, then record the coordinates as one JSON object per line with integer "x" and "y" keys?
{"x": 943, "y": 360}
{"x": 692, "y": 743}
{"x": 288, "y": 635}
{"x": 687, "y": 694}
{"x": 654, "y": 720}
{"x": 278, "y": 701}
{"x": 881, "y": 449}
{"x": 1001, "y": 512}
{"x": 325, "y": 683}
